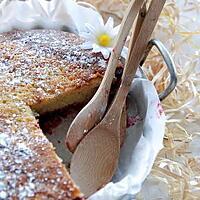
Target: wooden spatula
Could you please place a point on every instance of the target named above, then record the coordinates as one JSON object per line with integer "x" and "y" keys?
{"x": 96, "y": 157}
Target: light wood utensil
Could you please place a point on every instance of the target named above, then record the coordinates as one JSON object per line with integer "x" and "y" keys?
{"x": 123, "y": 125}
{"x": 93, "y": 112}
{"x": 96, "y": 157}
{"x": 123, "y": 119}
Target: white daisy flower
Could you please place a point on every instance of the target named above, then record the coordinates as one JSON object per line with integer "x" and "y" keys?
{"x": 101, "y": 37}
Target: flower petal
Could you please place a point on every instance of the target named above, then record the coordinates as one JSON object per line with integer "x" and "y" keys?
{"x": 101, "y": 22}
{"x": 116, "y": 30}
{"x": 100, "y": 27}
{"x": 110, "y": 23}
{"x": 86, "y": 45}
{"x": 90, "y": 28}
{"x": 96, "y": 48}
{"x": 105, "y": 52}
{"x": 85, "y": 35}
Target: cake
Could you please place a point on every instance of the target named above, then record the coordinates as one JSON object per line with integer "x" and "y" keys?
{"x": 40, "y": 71}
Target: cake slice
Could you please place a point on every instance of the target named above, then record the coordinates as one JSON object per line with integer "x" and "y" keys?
{"x": 29, "y": 167}
{"x": 40, "y": 71}
{"x": 48, "y": 69}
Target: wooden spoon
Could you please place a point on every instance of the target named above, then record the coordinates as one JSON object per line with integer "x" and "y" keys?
{"x": 123, "y": 125}
{"x": 93, "y": 112}
{"x": 96, "y": 157}
{"x": 123, "y": 119}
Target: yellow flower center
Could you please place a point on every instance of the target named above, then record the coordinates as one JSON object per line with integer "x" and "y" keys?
{"x": 104, "y": 40}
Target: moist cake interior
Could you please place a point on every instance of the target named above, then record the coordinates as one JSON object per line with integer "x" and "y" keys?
{"x": 55, "y": 126}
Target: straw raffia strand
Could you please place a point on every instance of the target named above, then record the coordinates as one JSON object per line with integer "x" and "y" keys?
{"x": 176, "y": 172}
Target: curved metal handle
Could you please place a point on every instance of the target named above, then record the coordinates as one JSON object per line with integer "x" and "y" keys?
{"x": 169, "y": 62}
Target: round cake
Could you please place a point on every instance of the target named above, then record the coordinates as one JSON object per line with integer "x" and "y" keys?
{"x": 40, "y": 71}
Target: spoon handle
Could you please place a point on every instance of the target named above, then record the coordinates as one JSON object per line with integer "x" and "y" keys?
{"x": 136, "y": 52}
{"x": 127, "y": 22}
{"x": 140, "y": 20}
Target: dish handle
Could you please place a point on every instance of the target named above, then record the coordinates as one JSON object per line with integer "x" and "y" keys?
{"x": 169, "y": 63}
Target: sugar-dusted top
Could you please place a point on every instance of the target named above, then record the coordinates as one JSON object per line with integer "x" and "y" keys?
{"x": 34, "y": 66}
{"x": 29, "y": 168}
{"x": 44, "y": 63}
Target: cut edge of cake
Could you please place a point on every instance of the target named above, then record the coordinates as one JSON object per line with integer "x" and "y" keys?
{"x": 70, "y": 97}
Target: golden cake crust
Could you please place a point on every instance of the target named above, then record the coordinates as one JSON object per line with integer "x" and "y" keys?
{"x": 40, "y": 70}
{"x": 40, "y": 65}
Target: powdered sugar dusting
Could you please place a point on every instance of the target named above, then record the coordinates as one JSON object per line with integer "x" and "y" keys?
{"x": 35, "y": 65}
{"x": 14, "y": 153}
{"x": 28, "y": 165}
{"x": 45, "y": 62}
